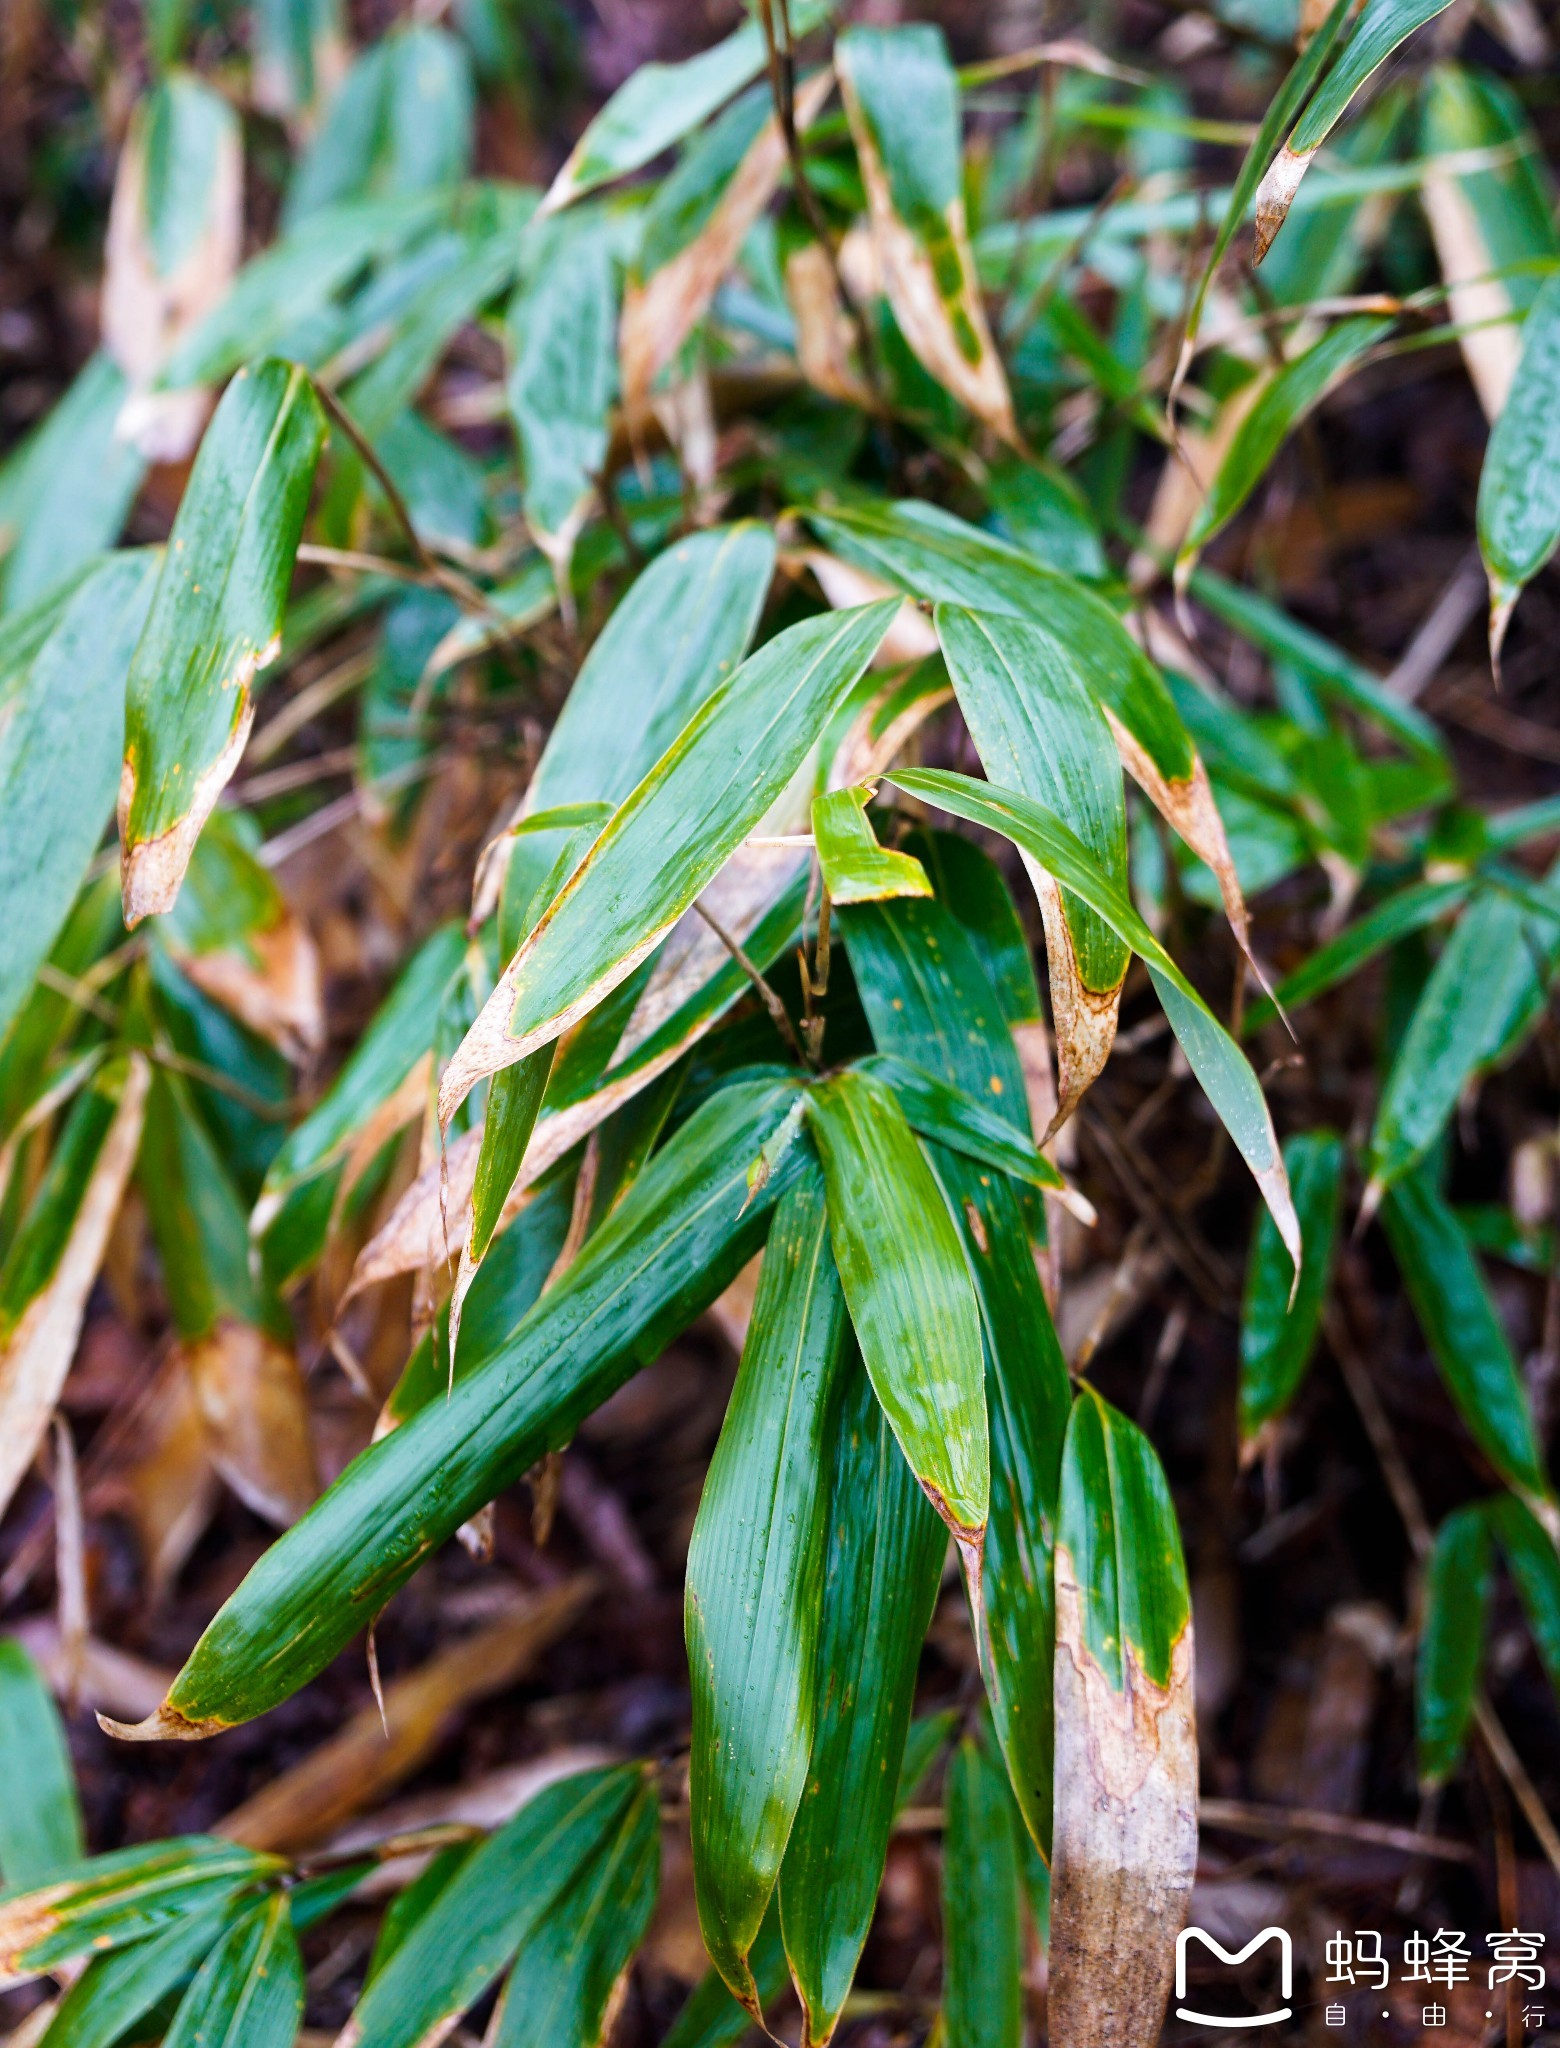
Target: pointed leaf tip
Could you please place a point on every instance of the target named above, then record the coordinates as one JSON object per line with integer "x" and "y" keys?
{"x": 164, "y": 1724}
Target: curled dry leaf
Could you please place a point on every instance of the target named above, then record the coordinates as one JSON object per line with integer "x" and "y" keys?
{"x": 661, "y": 311}
{"x": 163, "y": 1481}
{"x": 370, "y": 1756}
{"x": 1084, "y": 1018}
{"x": 61, "y": 1246}
{"x": 255, "y": 1413}
{"x": 170, "y": 258}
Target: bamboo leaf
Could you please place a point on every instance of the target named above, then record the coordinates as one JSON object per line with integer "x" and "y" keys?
{"x": 1519, "y": 485}
{"x": 40, "y": 1820}
{"x": 925, "y": 992}
{"x": 1038, "y": 728}
{"x": 930, "y": 554}
{"x": 215, "y": 619}
{"x": 1397, "y": 917}
{"x": 110, "y": 1901}
{"x": 1294, "y": 392}
{"x": 673, "y": 639}
{"x": 711, "y": 2017}
{"x": 65, "y": 490}
{"x": 717, "y": 201}
{"x": 1277, "y": 1334}
{"x": 1381, "y": 26}
{"x": 1534, "y": 1563}
{"x": 902, "y": 97}
{"x": 493, "y": 1906}
{"x": 1451, "y": 1642}
{"x": 669, "y": 838}
{"x": 61, "y": 738}
{"x": 680, "y": 1235}
{"x": 248, "y": 1993}
{"x": 855, "y": 868}
{"x": 118, "y": 1989}
{"x": 400, "y": 123}
{"x": 54, "y": 1258}
{"x": 1283, "y": 107}
{"x": 965, "y": 1125}
{"x": 982, "y": 2003}
{"x": 572, "y": 1970}
{"x": 1463, "y": 1331}
{"x": 884, "y": 1560}
{"x": 661, "y": 103}
{"x": 563, "y": 380}
{"x": 1126, "y": 1747}
{"x": 1484, "y": 993}
{"x": 1215, "y": 1059}
{"x": 754, "y": 1565}
{"x": 236, "y": 1342}
{"x": 910, "y": 1296}
{"x": 381, "y": 1087}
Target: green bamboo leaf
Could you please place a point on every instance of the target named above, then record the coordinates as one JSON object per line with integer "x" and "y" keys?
{"x": 885, "y": 1555}
{"x": 983, "y": 1956}
{"x": 1340, "y": 677}
{"x": 1277, "y": 1336}
{"x": 1400, "y": 915}
{"x": 855, "y": 868}
{"x": 1519, "y": 485}
{"x": 673, "y": 639}
{"x": 1381, "y": 26}
{"x": 568, "y": 1979}
{"x": 1531, "y": 1556}
{"x": 65, "y": 491}
{"x": 936, "y": 1110}
{"x": 680, "y": 1235}
{"x": 1040, "y": 509}
{"x": 564, "y": 375}
{"x": 902, "y": 97}
{"x": 116, "y": 1990}
{"x": 669, "y": 838}
{"x": 401, "y": 122}
{"x": 1452, "y": 1632}
{"x": 52, "y": 1262}
{"x": 1215, "y": 1059}
{"x": 1497, "y": 170}
{"x": 40, "y": 1820}
{"x": 910, "y": 1296}
{"x": 1463, "y": 1331}
{"x": 661, "y": 103}
{"x": 754, "y": 1567}
{"x": 711, "y": 2017}
{"x": 109, "y": 1901}
{"x": 411, "y": 1904}
{"x": 1038, "y": 727}
{"x": 924, "y": 992}
{"x": 248, "y": 1993}
{"x": 369, "y": 1095}
{"x": 61, "y": 739}
{"x": 1126, "y": 1746}
{"x": 499, "y": 1900}
{"x": 215, "y": 621}
{"x": 1282, "y": 108}
{"x": 1484, "y": 994}
{"x": 930, "y": 554}
{"x": 1293, "y": 393}
{"x": 291, "y": 285}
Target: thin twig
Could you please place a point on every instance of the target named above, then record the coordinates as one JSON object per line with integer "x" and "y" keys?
{"x": 459, "y": 587}
{"x": 770, "y": 1001}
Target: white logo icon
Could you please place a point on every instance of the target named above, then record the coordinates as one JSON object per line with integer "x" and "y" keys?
{"x": 1256, "y": 2019}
